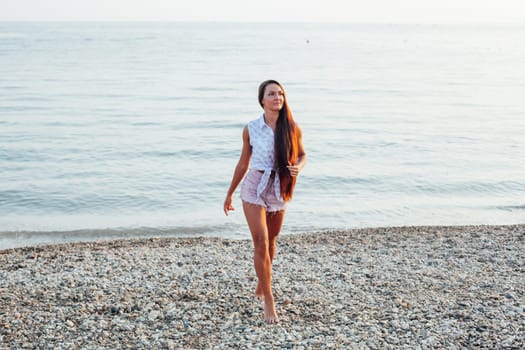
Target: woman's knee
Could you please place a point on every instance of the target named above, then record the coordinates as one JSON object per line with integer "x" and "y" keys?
{"x": 261, "y": 244}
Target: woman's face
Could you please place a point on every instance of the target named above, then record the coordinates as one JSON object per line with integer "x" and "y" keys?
{"x": 273, "y": 98}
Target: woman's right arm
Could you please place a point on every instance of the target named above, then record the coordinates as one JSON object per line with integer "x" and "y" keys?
{"x": 240, "y": 169}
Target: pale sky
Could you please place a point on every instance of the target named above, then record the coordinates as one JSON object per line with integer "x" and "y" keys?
{"x": 373, "y": 11}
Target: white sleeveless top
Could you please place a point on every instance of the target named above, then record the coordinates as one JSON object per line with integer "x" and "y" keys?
{"x": 262, "y": 142}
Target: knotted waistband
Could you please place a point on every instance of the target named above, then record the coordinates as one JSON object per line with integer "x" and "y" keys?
{"x": 265, "y": 179}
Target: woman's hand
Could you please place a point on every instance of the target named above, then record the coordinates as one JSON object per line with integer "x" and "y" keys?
{"x": 228, "y": 205}
{"x": 293, "y": 169}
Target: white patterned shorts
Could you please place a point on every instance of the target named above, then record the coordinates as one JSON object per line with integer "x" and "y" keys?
{"x": 267, "y": 199}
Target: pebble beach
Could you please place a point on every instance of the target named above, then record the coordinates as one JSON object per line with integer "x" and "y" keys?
{"x": 379, "y": 288}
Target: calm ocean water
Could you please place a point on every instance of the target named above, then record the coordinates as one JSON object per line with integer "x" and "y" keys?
{"x": 133, "y": 129}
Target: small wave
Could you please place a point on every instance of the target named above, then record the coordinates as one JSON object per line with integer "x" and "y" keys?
{"x": 14, "y": 239}
{"x": 10, "y": 109}
{"x": 329, "y": 181}
{"x": 145, "y": 123}
{"x": 511, "y": 207}
{"x": 470, "y": 187}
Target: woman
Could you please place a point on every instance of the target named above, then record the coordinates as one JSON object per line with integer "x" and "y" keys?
{"x": 271, "y": 158}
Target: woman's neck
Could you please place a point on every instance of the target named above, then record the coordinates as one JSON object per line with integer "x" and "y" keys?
{"x": 270, "y": 118}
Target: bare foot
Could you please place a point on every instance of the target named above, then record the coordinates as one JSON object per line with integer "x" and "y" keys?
{"x": 270, "y": 315}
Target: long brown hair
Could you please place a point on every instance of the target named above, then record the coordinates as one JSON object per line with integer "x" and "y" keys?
{"x": 285, "y": 143}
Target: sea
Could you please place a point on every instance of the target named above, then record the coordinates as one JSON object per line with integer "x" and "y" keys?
{"x": 113, "y": 130}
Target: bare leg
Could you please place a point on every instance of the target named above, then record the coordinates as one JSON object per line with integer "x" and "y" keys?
{"x": 274, "y": 222}
{"x": 256, "y": 218}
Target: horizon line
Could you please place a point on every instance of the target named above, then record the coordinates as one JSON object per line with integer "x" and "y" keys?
{"x": 225, "y": 21}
